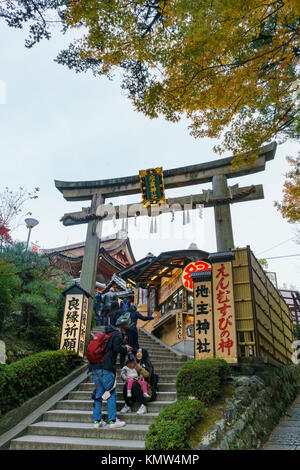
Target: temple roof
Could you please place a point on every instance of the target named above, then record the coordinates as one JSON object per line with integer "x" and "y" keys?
{"x": 111, "y": 244}
{"x": 115, "y": 253}
{"x": 147, "y": 271}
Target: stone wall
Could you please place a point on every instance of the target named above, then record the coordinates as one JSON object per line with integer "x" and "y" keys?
{"x": 261, "y": 397}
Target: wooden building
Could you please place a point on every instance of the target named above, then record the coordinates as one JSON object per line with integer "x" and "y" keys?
{"x": 159, "y": 288}
{"x": 115, "y": 253}
{"x": 263, "y": 321}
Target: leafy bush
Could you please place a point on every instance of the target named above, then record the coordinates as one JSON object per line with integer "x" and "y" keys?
{"x": 172, "y": 427}
{"x": 202, "y": 379}
{"x": 44, "y": 337}
{"x": 26, "y": 378}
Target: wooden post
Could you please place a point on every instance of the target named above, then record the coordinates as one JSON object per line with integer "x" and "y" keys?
{"x": 253, "y": 303}
{"x": 223, "y": 223}
{"x": 90, "y": 261}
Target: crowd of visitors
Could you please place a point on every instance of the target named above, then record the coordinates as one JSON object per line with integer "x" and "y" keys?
{"x": 120, "y": 337}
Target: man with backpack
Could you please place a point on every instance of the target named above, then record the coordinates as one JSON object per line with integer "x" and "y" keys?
{"x": 110, "y": 305}
{"x": 102, "y": 354}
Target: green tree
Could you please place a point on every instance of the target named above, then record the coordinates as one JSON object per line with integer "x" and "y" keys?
{"x": 9, "y": 287}
{"x": 39, "y": 295}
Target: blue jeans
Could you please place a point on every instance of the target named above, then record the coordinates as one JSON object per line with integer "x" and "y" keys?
{"x": 104, "y": 380}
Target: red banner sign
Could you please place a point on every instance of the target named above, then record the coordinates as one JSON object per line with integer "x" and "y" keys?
{"x": 224, "y": 313}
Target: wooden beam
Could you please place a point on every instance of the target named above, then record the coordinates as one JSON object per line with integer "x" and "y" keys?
{"x": 206, "y": 199}
{"x": 176, "y": 177}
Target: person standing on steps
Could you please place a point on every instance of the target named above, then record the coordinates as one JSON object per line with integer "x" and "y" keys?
{"x": 98, "y": 307}
{"x": 102, "y": 354}
{"x": 125, "y": 304}
{"x": 132, "y": 332}
{"x": 110, "y": 305}
{"x": 144, "y": 368}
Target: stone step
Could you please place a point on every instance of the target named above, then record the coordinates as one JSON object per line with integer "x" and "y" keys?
{"x": 81, "y": 416}
{"x": 87, "y": 405}
{"x": 87, "y": 430}
{"x": 86, "y": 395}
{"x": 32, "y": 442}
{"x": 155, "y": 354}
{"x": 162, "y": 386}
{"x": 172, "y": 367}
{"x": 160, "y": 362}
{"x": 152, "y": 351}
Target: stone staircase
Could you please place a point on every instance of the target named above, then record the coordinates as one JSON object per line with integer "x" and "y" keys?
{"x": 69, "y": 424}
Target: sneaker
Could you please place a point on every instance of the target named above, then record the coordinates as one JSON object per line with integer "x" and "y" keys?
{"x": 146, "y": 395}
{"x": 98, "y": 424}
{"x": 126, "y": 409}
{"x": 116, "y": 424}
{"x": 142, "y": 409}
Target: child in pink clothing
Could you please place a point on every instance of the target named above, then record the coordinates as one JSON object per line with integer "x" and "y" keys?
{"x": 130, "y": 372}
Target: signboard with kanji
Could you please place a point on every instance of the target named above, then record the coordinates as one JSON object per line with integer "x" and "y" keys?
{"x": 203, "y": 321}
{"x": 193, "y": 267}
{"x": 179, "y": 325}
{"x": 224, "y": 312}
{"x": 74, "y": 327}
{"x": 152, "y": 186}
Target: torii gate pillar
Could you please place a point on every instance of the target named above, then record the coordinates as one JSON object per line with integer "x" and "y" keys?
{"x": 90, "y": 260}
{"x": 224, "y": 233}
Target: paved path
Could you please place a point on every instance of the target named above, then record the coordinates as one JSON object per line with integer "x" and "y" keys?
{"x": 286, "y": 436}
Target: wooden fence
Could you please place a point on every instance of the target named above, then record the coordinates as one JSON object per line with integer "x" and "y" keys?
{"x": 263, "y": 319}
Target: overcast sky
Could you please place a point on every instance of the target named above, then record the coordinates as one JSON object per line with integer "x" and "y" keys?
{"x": 55, "y": 124}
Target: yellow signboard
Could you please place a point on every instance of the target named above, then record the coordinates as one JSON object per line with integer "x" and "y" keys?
{"x": 74, "y": 324}
{"x": 203, "y": 319}
{"x": 224, "y": 312}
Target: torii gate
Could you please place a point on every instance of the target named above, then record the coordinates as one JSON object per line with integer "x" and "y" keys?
{"x": 220, "y": 197}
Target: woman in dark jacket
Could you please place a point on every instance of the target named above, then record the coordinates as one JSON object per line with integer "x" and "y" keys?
{"x": 144, "y": 368}
{"x": 132, "y": 332}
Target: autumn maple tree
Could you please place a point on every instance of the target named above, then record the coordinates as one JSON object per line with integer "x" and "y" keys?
{"x": 290, "y": 205}
{"x": 5, "y": 237}
{"x": 229, "y": 66}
